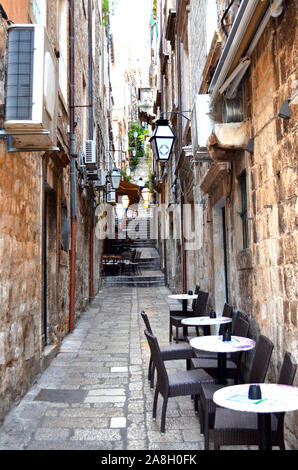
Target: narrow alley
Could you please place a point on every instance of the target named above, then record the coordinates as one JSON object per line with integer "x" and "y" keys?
{"x": 95, "y": 394}
{"x": 148, "y": 163}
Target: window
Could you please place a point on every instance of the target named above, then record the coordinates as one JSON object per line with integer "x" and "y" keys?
{"x": 40, "y": 11}
{"x": 243, "y": 214}
{"x": 63, "y": 48}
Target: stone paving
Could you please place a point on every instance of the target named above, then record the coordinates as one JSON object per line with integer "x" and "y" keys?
{"x": 95, "y": 394}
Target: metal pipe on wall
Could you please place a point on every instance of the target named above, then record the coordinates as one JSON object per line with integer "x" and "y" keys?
{"x": 72, "y": 167}
{"x": 180, "y": 139}
{"x": 90, "y": 53}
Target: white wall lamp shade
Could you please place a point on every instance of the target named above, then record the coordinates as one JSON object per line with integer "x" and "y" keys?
{"x": 146, "y": 194}
{"x": 162, "y": 140}
{"x": 125, "y": 201}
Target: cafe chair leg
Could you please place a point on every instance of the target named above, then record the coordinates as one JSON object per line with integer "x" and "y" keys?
{"x": 150, "y": 369}
{"x": 163, "y": 415}
{"x": 154, "y": 405}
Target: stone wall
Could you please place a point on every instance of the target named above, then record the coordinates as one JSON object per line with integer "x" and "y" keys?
{"x": 34, "y": 195}
{"x": 261, "y": 277}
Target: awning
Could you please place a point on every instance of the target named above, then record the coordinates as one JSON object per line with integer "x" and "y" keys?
{"x": 250, "y": 22}
{"x": 132, "y": 191}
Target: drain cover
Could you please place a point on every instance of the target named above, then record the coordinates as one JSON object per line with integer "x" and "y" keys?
{"x": 61, "y": 396}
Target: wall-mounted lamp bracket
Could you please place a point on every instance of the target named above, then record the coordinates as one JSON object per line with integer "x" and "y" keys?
{"x": 175, "y": 112}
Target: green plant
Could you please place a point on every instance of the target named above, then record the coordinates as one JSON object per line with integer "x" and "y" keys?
{"x": 108, "y": 8}
{"x": 136, "y": 143}
{"x": 124, "y": 174}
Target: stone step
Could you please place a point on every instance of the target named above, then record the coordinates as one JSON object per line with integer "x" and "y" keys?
{"x": 145, "y": 279}
{"x": 128, "y": 283}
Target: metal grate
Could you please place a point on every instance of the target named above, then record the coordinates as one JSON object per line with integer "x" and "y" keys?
{"x": 20, "y": 74}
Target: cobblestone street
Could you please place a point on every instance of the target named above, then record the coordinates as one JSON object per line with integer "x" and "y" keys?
{"x": 95, "y": 394}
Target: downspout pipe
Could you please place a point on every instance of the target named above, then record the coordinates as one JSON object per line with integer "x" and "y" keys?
{"x": 90, "y": 55}
{"x": 180, "y": 139}
{"x": 72, "y": 167}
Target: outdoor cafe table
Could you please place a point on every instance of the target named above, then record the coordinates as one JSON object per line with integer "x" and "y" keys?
{"x": 184, "y": 298}
{"x": 276, "y": 398}
{"x": 215, "y": 343}
{"x": 205, "y": 322}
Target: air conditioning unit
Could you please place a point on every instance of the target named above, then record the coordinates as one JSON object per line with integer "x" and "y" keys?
{"x": 92, "y": 173}
{"x": 90, "y": 153}
{"x": 202, "y": 124}
{"x": 31, "y": 89}
{"x": 111, "y": 196}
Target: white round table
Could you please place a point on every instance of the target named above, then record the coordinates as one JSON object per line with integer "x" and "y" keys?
{"x": 184, "y": 298}
{"x": 215, "y": 343}
{"x": 205, "y": 322}
{"x": 276, "y": 398}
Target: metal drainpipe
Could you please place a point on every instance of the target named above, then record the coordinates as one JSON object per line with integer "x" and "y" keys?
{"x": 184, "y": 280}
{"x": 90, "y": 52}
{"x": 163, "y": 189}
{"x": 72, "y": 167}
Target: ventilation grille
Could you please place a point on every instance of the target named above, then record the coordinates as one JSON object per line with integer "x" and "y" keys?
{"x": 20, "y": 74}
{"x": 90, "y": 152}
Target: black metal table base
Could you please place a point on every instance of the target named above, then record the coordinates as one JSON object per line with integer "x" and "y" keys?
{"x": 222, "y": 368}
{"x": 264, "y": 426}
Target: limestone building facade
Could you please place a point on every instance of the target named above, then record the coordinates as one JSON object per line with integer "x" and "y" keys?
{"x": 49, "y": 256}
{"x": 235, "y": 164}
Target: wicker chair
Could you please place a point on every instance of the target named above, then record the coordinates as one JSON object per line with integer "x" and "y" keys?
{"x": 179, "y": 313}
{"x": 168, "y": 352}
{"x": 173, "y": 385}
{"x": 198, "y": 310}
{"x": 257, "y": 374}
{"x": 236, "y": 428}
{"x": 233, "y": 364}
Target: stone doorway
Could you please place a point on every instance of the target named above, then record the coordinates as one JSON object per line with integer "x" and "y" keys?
{"x": 49, "y": 264}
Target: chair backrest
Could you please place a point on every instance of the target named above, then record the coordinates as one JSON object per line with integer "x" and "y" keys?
{"x": 286, "y": 377}
{"x": 288, "y": 370}
{"x": 146, "y": 321}
{"x": 261, "y": 360}
{"x": 162, "y": 382}
{"x": 241, "y": 329}
{"x": 201, "y": 303}
{"x": 193, "y": 304}
{"x": 227, "y": 312}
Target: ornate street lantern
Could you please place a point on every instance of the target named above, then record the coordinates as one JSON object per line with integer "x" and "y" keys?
{"x": 162, "y": 140}
{"x": 115, "y": 178}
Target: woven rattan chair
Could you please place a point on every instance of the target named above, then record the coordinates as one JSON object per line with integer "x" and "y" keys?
{"x": 236, "y": 428}
{"x": 173, "y": 385}
{"x": 179, "y": 313}
{"x": 257, "y": 374}
{"x": 168, "y": 352}
{"x": 233, "y": 364}
{"x": 198, "y": 310}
